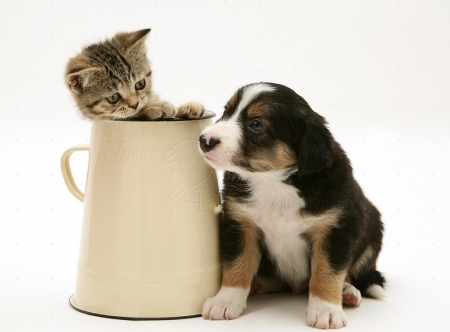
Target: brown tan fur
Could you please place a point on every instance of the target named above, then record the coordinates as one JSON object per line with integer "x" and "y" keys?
{"x": 241, "y": 271}
{"x": 278, "y": 157}
{"x": 324, "y": 283}
{"x": 257, "y": 110}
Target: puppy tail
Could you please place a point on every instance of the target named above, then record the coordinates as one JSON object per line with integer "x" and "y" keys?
{"x": 371, "y": 284}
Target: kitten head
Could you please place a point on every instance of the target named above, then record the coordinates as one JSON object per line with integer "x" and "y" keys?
{"x": 111, "y": 79}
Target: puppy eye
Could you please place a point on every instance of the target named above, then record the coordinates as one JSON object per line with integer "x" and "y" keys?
{"x": 256, "y": 125}
{"x": 113, "y": 98}
{"x": 140, "y": 85}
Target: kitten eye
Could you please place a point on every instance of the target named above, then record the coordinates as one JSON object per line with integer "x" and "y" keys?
{"x": 140, "y": 85}
{"x": 113, "y": 98}
{"x": 256, "y": 125}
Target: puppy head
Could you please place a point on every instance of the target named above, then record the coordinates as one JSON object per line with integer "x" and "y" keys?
{"x": 267, "y": 127}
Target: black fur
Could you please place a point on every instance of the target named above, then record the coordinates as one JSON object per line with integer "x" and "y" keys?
{"x": 235, "y": 187}
{"x": 363, "y": 282}
{"x": 231, "y": 236}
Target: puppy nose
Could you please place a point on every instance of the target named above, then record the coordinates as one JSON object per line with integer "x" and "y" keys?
{"x": 207, "y": 146}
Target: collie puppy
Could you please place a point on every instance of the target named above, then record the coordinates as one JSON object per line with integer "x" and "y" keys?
{"x": 293, "y": 215}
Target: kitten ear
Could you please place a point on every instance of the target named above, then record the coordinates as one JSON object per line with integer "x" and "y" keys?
{"x": 77, "y": 81}
{"x": 132, "y": 39}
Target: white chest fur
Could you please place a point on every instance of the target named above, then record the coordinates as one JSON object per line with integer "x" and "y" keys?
{"x": 275, "y": 207}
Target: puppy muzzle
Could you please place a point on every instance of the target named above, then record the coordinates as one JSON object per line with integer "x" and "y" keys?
{"x": 207, "y": 145}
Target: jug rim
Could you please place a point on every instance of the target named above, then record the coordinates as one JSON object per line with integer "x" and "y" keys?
{"x": 207, "y": 115}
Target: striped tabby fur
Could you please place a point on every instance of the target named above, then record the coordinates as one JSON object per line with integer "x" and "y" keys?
{"x": 111, "y": 80}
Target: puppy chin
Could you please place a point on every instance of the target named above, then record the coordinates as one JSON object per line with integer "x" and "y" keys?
{"x": 215, "y": 159}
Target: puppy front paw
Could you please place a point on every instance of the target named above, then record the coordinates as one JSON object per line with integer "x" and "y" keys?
{"x": 229, "y": 303}
{"x": 324, "y": 315}
{"x": 192, "y": 110}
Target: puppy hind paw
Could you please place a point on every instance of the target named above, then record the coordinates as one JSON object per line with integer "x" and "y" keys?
{"x": 192, "y": 110}
{"x": 351, "y": 296}
{"x": 254, "y": 287}
{"x": 267, "y": 285}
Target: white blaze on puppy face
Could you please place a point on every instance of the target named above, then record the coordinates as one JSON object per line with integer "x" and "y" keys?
{"x": 249, "y": 94}
{"x": 229, "y": 131}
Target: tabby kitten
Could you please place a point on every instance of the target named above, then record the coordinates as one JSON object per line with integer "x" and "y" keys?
{"x": 111, "y": 80}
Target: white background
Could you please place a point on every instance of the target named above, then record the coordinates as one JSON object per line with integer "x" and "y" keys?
{"x": 377, "y": 70}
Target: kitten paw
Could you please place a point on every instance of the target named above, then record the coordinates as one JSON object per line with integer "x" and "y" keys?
{"x": 192, "y": 110}
{"x": 324, "y": 315}
{"x": 351, "y": 297}
{"x": 229, "y": 303}
{"x": 160, "y": 110}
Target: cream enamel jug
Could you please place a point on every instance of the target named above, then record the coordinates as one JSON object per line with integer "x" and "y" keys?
{"x": 149, "y": 241}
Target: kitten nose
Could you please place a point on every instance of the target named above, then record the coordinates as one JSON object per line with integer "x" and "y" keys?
{"x": 207, "y": 146}
{"x": 134, "y": 106}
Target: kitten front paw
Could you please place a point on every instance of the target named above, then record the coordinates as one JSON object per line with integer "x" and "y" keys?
{"x": 324, "y": 315}
{"x": 229, "y": 303}
{"x": 168, "y": 110}
{"x": 160, "y": 110}
{"x": 192, "y": 110}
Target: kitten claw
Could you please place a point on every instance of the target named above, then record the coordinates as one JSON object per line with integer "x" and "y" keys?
{"x": 192, "y": 110}
{"x": 160, "y": 110}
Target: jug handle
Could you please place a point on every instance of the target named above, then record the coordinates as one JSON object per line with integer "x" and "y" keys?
{"x": 67, "y": 172}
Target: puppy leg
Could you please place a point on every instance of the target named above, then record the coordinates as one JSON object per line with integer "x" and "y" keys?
{"x": 240, "y": 259}
{"x": 325, "y": 292}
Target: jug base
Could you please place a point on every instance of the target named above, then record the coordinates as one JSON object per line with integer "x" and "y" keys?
{"x": 74, "y": 306}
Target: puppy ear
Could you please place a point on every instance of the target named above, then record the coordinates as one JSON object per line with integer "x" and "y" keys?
{"x": 315, "y": 149}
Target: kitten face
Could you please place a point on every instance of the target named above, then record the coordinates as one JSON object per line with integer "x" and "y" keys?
{"x": 111, "y": 79}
